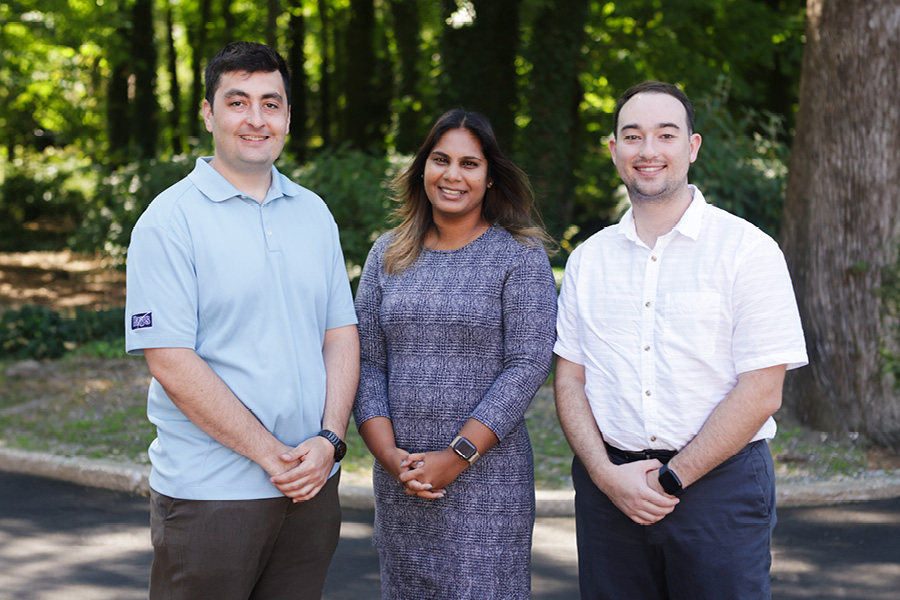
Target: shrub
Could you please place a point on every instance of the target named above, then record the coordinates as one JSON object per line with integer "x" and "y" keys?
{"x": 743, "y": 162}
{"x": 39, "y": 332}
{"x": 42, "y": 199}
{"x": 120, "y": 199}
{"x": 354, "y": 185}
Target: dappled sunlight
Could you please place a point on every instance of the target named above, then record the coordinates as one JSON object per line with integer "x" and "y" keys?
{"x": 59, "y": 280}
{"x": 52, "y": 566}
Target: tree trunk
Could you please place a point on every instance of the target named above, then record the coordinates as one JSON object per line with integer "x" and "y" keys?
{"x": 198, "y": 45}
{"x": 296, "y": 60}
{"x": 549, "y": 144}
{"x": 478, "y": 61}
{"x": 175, "y": 90}
{"x": 272, "y": 12}
{"x": 325, "y": 76}
{"x": 117, "y": 104}
{"x": 360, "y": 70}
{"x": 410, "y": 129}
{"x": 146, "y": 105}
{"x": 840, "y": 231}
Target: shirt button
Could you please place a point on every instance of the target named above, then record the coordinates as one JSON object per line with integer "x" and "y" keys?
{"x": 652, "y": 438}
{"x": 646, "y": 348}
{"x": 647, "y": 304}
{"x": 647, "y": 393}
{"x": 653, "y": 258}
{"x": 269, "y": 232}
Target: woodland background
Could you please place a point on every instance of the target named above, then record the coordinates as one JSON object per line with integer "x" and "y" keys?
{"x": 99, "y": 111}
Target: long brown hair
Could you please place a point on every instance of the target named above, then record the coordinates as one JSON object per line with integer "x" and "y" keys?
{"x": 508, "y": 203}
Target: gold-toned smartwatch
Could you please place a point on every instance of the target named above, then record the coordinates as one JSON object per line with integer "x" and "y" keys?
{"x": 465, "y": 449}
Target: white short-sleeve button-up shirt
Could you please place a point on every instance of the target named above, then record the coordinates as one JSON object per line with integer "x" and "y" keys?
{"x": 663, "y": 332}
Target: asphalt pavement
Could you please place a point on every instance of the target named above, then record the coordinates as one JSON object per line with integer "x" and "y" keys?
{"x": 67, "y": 541}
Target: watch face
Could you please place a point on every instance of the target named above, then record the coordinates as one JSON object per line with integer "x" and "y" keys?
{"x": 465, "y": 448}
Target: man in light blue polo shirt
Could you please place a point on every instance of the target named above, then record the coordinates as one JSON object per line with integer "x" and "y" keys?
{"x": 239, "y": 300}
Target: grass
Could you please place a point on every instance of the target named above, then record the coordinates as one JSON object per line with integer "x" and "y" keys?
{"x": 93, "y": 403}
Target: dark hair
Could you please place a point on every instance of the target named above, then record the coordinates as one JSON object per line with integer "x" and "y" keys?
{"x": 654, "y": 87}
{"x": 508, "y": 203}
{"x": 251, "y": 57}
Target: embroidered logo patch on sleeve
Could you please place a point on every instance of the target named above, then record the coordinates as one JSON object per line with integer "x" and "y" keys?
{"x": 142, "y": 320}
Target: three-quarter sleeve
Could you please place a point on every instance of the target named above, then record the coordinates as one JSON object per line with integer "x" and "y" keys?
{"x": 371, "y": 396}
{"x": 529, "y": 331}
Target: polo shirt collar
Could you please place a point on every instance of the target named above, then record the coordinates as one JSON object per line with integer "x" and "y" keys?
{"x": 688, "y": 225}
{"x": 218, "y": 189}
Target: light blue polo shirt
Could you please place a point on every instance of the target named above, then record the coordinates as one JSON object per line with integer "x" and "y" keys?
{"x": 251, "y": 288}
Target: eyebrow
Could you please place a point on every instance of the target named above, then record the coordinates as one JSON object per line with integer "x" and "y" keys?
{"x": 664, "y": 125}
{"x": 235, "y": 92}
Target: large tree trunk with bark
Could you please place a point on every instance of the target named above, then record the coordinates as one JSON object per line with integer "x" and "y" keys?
{"x": 841, "y": 229}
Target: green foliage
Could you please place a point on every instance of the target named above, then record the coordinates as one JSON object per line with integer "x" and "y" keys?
{"x": 39, "y": 332}
{"x": 42, "y": 199}
{"x": 742, "y": 166}
{"x": 120, "y": 199}
{"x": 33, "y": 332}
{"x": 354, "y": 185}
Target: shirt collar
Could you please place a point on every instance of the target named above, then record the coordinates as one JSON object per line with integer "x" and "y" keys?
{"x": 218, "y": 189}
{"x": 688, "y": 225}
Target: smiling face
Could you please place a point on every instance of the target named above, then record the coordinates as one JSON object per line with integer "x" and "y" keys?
{"x": 249, "y": 121}
{"x": 653, "y": 148}
{"x": 456, "y": 176}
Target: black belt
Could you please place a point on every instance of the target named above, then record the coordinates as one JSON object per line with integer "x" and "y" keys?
{"x": 663, "y": 456}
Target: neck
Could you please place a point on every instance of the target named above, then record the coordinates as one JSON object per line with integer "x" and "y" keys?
{"x": 652, "y": 219}
{"x": 452, "y": 234}
{"x": 254, "y": 183}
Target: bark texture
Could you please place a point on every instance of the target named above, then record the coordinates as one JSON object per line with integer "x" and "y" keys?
{"x": 840, "y": 231}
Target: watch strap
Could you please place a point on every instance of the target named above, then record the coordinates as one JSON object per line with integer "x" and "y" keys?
{"x": 340, "y": 448}
{"x": 470, "y": 457}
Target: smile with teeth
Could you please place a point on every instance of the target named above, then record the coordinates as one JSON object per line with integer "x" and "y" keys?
{"x": 450, "y": 192}
{"x": 254, "y": 138}
{"x": 650, "y": 169}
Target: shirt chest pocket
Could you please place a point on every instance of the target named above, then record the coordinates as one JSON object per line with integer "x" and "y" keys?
{"x": 692, "y": 323}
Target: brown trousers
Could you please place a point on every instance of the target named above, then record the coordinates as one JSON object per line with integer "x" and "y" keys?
{"x": 268, "y": 549}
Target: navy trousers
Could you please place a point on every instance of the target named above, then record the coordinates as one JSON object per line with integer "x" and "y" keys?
{"x": 714, "y": 545}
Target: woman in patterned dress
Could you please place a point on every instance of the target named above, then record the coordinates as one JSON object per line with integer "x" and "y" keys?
{"x": 457, "y": 315}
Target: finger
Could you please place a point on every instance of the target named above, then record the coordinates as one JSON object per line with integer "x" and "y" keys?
{"x": 431, "y": 495}
{"x": 295, "y": 454}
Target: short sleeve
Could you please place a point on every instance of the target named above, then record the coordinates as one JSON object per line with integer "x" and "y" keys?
{"x": 767, "y": 329}
{"x": 568, "y": 343}
{"x": 162, "y": 298}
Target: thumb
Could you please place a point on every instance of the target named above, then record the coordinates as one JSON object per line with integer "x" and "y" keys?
{"x": 294, "y": 454}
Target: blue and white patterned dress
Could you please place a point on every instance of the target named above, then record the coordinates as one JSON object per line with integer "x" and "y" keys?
{"x": 462, "y": 333}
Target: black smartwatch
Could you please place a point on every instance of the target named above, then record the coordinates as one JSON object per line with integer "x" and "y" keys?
{"x": 340, "y": 448}
{"x": 465, "y": 449}
{"x": 669, "y": 481}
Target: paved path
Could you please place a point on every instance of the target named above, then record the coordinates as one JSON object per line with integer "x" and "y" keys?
{"x": 64, "y": 541}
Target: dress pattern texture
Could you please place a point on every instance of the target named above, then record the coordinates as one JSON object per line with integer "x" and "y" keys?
{"x": 461, "y": 334}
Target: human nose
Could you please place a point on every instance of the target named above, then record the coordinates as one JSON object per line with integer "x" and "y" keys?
{"x": 254, "y": 116}
{"x": 648, "y": 149}
{"x": 451, "y": 172}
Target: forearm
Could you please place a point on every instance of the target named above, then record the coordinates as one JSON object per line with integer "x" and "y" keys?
{"x": 210, "y": 405}
{"x": 577, "y": 420}
{"x": 732, "y": 424}
{"x": 340, "y": 351}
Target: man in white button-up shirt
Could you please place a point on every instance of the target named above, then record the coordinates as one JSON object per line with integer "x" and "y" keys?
{"x": 675, "y": 329}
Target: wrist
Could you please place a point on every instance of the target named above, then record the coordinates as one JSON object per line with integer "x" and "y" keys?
{"x": 669, "y": 481}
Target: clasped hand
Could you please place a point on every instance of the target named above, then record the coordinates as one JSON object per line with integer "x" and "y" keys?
{"x": 304, "y": 470}
{"x": 427, "y": 474}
